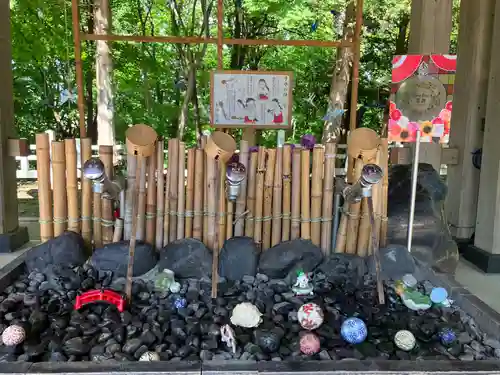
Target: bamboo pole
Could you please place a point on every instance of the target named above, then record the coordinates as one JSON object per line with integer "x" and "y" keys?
{"x": 328, "y": 192}
{"x": 251, "y": 184}
{"x": 131, "y": 178}
{"x": 59, "y": 188}
{"x": 141, "y": 207}
{"x": 305, "y": 195}
{"x": 160, "y": 194}
{"x": 173, "y": 166}
{"x": 259, "y": 196}
{"x": 287, "y": 192}
{"x": 239, "y": 226}
{"x": 72, "y": 185}
{"x": 211, "y": 203}
{"x": 384, "y": 159}
{"x": 151, "y": 199}
{"x": 106, "y": 156}
{"x": 181, "y": 192}
{"x": 377, "y": 204}
{"x": 229, "y": 219}
{"x": 317, "y": 193}
{"x": 353, "y": 215}
{"x": 44, "y": 189}
{"x": 97, "y": 217}
{"x": 296, "y": 170}
{"x": 199, "y": 193}
{"x": 190, "y": 193}
{"x": 364, "y": 231}
{"x": 203, "y": 142}
{"x": 86, "y": 154}
{"x": 277, "y": 198}
{"x": 117, "y": 234}
{"x": 221, "y": 210}
{"x": 268, "y": 199}
{"x": 166, "y": 207}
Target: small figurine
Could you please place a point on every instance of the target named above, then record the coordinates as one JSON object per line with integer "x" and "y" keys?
{"x": 309, "y": 344}
{"x": 409, "y": 280}
{"x": 246, "y": 315}
{"x": 302, "y": 286}
{"x": 354, "y": 331}
{"x": 13, "y": 335}
{"x": 310, "y": 316}
{"x": 228, "y": 337}
{"x": 404, "y": 340}
{"x": 164, "y": 280}
{"x": 416, "y": 301}
{"x": 149, "y": 357}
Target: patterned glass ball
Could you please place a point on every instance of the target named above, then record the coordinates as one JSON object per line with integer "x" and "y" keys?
{"x": 447, "y": 336}
{"x": 180, "y": 303}
{"x": 150, "y": 357}
{"x": 404, "y": 340}
{"x": 13, "y": 335}
{"x": 310, "y": 316}
{"x": 354, "y": 331}
{"x": 309, "y": 344}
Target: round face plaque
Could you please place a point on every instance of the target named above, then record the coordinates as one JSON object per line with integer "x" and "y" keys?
{"x": 421, "y": 98}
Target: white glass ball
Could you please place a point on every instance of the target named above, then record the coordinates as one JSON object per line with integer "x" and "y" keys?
{"x": 13, "y": 335}
{"x": 310, "y": 316}
{"x": 149, "y": 357}
{"x": 404, "y": 340}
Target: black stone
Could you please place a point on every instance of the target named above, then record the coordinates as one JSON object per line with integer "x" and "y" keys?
{"x": 188, "y": 258}
{"x": 238, "y": 257}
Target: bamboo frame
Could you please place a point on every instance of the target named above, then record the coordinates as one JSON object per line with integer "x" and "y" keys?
{"x": 72, "y": 185}
{"x": 44, "y": 188}
{"x": 219, "y": 41}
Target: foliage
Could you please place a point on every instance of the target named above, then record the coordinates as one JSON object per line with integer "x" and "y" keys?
{"x": 151, "y": 80}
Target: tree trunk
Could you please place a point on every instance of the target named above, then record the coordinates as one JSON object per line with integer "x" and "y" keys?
{"x": 104, "y": 68}
{"x": 402, "y": 40}
{"x": 191, "y": 74}
{"x": 340, "y": 79}
{"x": 89, "y": 79}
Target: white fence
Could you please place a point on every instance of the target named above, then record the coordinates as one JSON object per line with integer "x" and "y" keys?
{"x": 27, "y": 164}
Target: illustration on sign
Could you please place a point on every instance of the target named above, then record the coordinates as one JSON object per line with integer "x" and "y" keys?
{"x": 421, "y": 97}
{"x": 251, "y": 99}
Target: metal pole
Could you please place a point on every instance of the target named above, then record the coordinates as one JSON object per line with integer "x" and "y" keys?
{"x": 414, "y": 179}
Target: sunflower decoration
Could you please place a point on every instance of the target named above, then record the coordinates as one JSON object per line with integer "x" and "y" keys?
{"x": 427, "y": 128}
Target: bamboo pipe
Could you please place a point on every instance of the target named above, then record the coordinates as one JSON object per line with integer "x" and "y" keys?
{"x": 277, "y": 198}
{"x": 199, "y": 193}
{"x": 181, "y": 186}
{"x": 97, "y": 217}
{"x": 72, "y": 185}
{"x": 377, "y": 204}
{"x": 141, "y": 206}
{"x": 190, "y": 193}
{"x": 173, "y": 166}
{"x": 287, "y": 192}
{"x": 86, "y": 154}
{"x": 221, "y": 199}
{"x": 328, "y": 192}
{"x": 203, "y": 142}
{"x": 239, "y": 226}
{"x": 151, "y": 199}
{"x": 160, "y": 194}
{"x": 251, "y": 185}
{"x": 59, "y": 188}
{"x": 229, "y": 219}
{"x": 305, "y": 200}
{"x": 353, "y": 215}
{"x": 166, "y": 207}
{"x": 259, "y": 196}
{"x": 296, "y": 169}
{"x": 44, "y": 189}
{"x": 268, "y": 199}
{"x": 106, "y": 156}
{"x": 131, "y": 178}
{"x": 117, "y": 234}
{"x": 211, "y": 203}
{"x": 317, "y": 193}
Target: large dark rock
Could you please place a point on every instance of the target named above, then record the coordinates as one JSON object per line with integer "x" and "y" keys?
{"x": 239, "y": 257}
{"x": 432, "y": 241}
{"x": 188, "y": 258}
{"x": 395, "y": 262}
{"x": 286, "y": 258}
{"x": 114, "y": 257}
{"x": 338, "y": 267}
{"x": 66, "y": 249}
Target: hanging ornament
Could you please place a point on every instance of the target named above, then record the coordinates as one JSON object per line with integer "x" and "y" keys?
{"x": 66, "y": 96}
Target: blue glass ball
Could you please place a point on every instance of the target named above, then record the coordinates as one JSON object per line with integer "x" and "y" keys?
{"x": 354, "y": 331}
{"x": 180, "y": 303}
{"x": 447, "y": 336}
